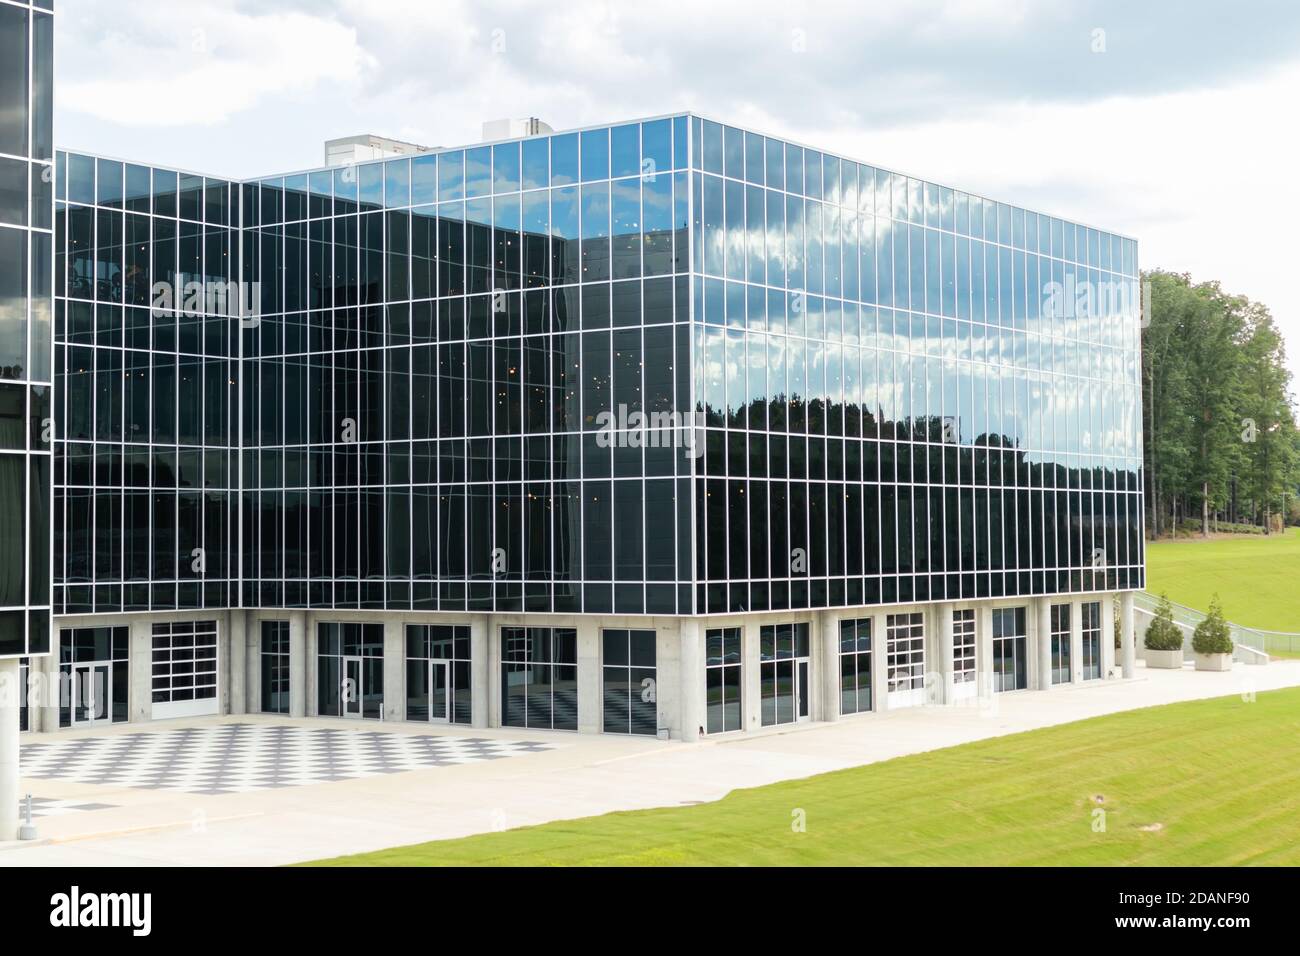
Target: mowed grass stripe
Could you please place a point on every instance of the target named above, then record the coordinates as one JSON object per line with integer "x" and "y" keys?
{"x": 1254, "y": 575}
{"x": 1220, "y": 777}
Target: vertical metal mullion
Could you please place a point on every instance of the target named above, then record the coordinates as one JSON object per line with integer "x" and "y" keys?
{"x": 176, "y": 389}
{"x": 358, "y": 350}
{"x": 410, "y": 472}
{"x": 641, "y": 389}
{"x": 240, "y": 371}
{"x": 201, "y": 366}
{"x": 27, "y": 235}
{"x": 283, "y": 442}
{"x": 313, "y": 371}
{"x": 692, "y": 387}
{"x": 466, "y": 369}
{"x": 94, "y": 400}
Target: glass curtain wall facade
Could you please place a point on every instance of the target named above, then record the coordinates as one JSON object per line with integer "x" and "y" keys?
{"x": 26, "y": 342}
{"x": 439, "y": 337}
{"x": 898, "y": 409}
{"x": 893, "y": 406}
{"x": 146, "y": 450}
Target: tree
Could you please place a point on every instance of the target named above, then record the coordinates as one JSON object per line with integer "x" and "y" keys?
{"x": 1218, "y": 418}
{"x": 1213, "y": 635}
{"x": 1166, "y": 448}
{"x": 1162, "y": 633}
{"x": 1214, "y": 377}
{"x": 1268, "y": 423}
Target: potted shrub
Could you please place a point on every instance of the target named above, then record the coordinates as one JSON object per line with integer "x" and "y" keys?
{"x": 1212, "y": 640}
{"x": 1164, "y": 639}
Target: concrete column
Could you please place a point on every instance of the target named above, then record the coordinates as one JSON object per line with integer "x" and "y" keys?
{"x": 668, "y": 683}
{"x": 480, "y": 693}
{"x": 51, "y": 688}
{"x": 1128, "y": 650}
{"x": 1107, "y": 634}
{"x": 495, "y": 690}
{"x": 140, "y": 669}
{"x": 394, "y": 670}
{"x": 589, "y": 701}
{"x": 879, "y": 662}
{"x": 944, "y": 693}
{"x": 252, "y": 664}
{"x": 829, "y": 651}
{"x": 691, "y": 682}
{"x": 35, "y": 688}
{"x": 224, "y": 655}
{"x": 1076, "y": 642}
{"x": 298, "y": 663}
{"x": 1044, "y": 624}
{"x": 237, "y": 642}
{"x": 984, "y": 650}
{"x": 9, "y": 793}
{"x": 751, "y": 684}
{"x": 311, "y": 661}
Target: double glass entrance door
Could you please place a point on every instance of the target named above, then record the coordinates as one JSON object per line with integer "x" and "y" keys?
{"x": 440, "y": 692}
{"x": 363, "y": 687}
{"x": 92, "y": 693}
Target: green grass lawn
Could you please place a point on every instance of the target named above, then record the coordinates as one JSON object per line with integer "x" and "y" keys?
{"x": 1200, "y": 783}
{"x": 1256, "y": 576}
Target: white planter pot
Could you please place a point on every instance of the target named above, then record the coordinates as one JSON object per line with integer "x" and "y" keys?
{"x": 1169, "y": 660}
{"x": 1214, "y": 662}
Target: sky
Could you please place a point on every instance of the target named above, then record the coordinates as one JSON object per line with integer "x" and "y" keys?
{"x": 1172, "y": 122}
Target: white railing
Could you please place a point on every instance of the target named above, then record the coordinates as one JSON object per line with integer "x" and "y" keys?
{"x": 1255, "y": 643}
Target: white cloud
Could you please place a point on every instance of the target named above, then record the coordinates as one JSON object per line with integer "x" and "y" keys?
{"x": 1203, "y": 179}
{"x": 1180, "y": 135}
{"x": 137, "y": 69}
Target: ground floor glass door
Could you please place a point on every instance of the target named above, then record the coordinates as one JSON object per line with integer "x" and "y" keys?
{"x": 91, "y": 693}
{"x": 805, "y": 692}
{"x": 1060, "y": 625}
{"x": 184, "y": 671}
{"x": 722, "y": 680}
{"x": 275, "y": 667}
{"x": 905, "y": 659}
{"x": 1010, "y": 656}
{"x": 855, "y": 665}
{"x": 440, "y": 692}
{"x": 629, "y": 682}
{"x": 539, "y": 677}
{"x": 353, "y": 686}
{"x": 93, "y": 678}
{"x": 1091, "y": 642}
{"x": 438, "y": 673}
{"x": 24, "y": 672}
{"x": 783, "y": 673}
{"x": 963, "y": 654}
{"x": 350, "y": 669}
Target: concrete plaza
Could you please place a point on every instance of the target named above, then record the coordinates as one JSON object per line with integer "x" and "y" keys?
{"x": 532, "y": 777}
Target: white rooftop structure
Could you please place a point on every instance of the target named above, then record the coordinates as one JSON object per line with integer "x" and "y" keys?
{"x": 358, "y": 149}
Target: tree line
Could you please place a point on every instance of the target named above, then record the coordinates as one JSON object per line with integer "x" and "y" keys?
{"x": 1220, "y": 442}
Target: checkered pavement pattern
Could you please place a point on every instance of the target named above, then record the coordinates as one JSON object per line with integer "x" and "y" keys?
{"x": 238, "y": 758}
{"x": 50, "y": 807}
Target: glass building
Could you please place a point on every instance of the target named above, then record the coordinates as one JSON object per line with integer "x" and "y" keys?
{"x": 26, "y": 326}
{"x": 662, "y": 427}
{"x": 26, "y": 369}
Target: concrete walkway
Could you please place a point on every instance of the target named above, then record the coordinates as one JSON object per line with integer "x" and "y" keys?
{"x": 581, "y": 776}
